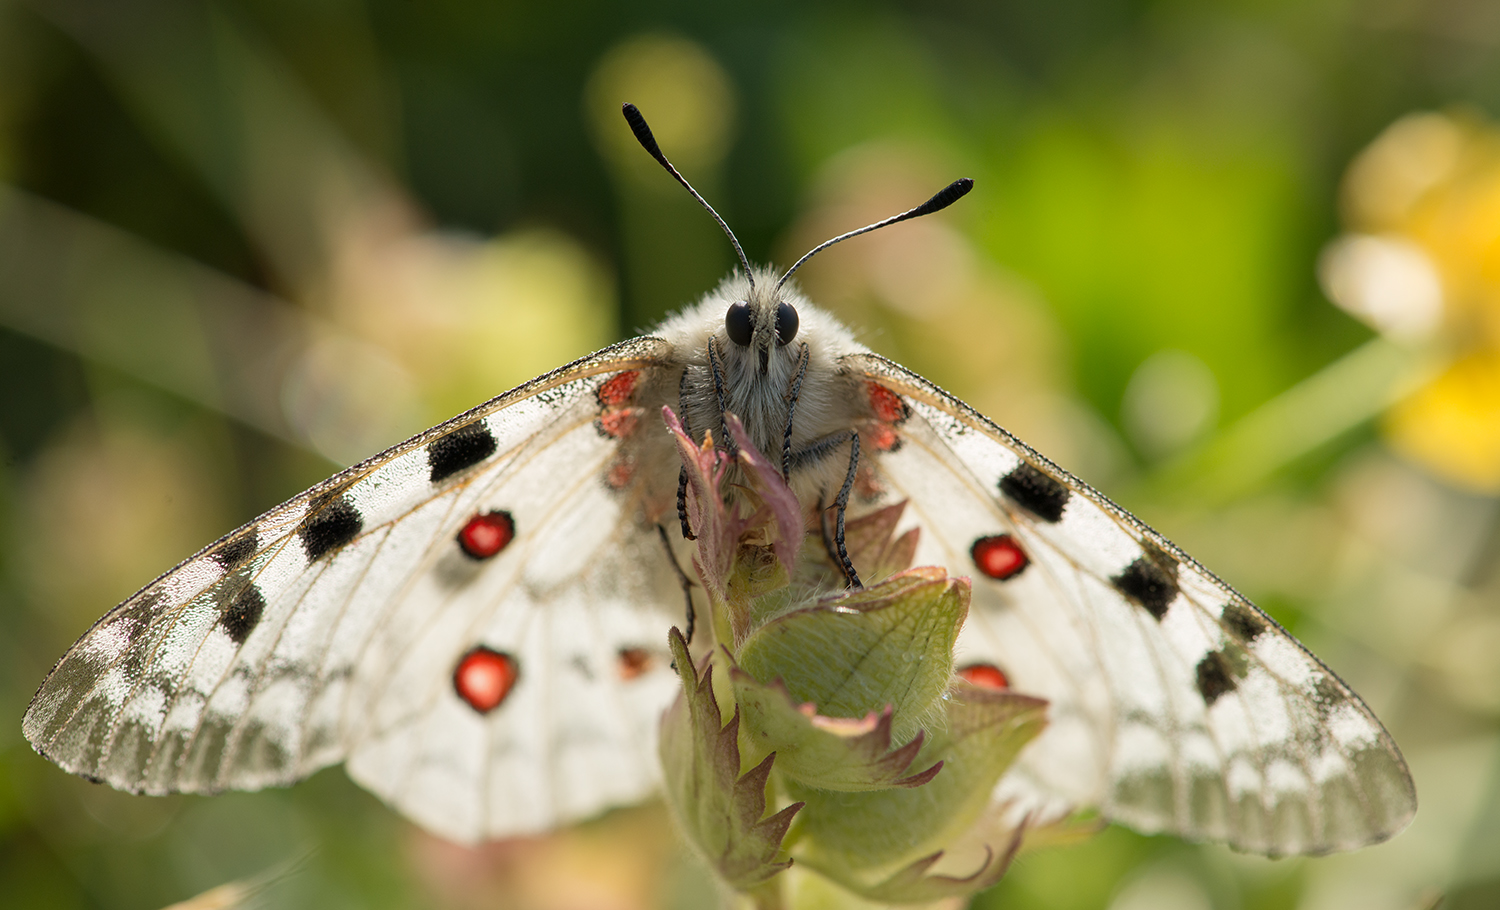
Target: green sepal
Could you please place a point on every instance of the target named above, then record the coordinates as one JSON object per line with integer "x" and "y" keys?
{"x": 870, "y": 841}
{"x": 830, "y": 753}
{"x": 747, "y": 541}
{"x": 887, "y": 645}
{"x": 779, "y": 510}
{"x": 719, "y": 809}
{"x": 913, "y": 885}
{"x": 759, "y": 582}
{"x": 716, "y": 531}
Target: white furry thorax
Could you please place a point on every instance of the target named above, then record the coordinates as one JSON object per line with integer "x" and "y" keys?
{"x": 826, "y": 403}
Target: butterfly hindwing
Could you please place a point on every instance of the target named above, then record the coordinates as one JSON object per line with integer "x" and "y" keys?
{"x": 1175, "y": 704}
{"x": 333, "y": 627}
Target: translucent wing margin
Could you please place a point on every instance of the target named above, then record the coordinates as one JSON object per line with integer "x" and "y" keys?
{"x": 330, "y": 627}
{"x": 1175, "y": 704}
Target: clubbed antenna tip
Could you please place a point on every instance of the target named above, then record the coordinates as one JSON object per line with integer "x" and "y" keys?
{"x": 941, "y": 200}
{"x": 944, "y": 197}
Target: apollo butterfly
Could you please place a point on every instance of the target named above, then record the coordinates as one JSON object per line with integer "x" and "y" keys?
{"x": 474, "y": 621}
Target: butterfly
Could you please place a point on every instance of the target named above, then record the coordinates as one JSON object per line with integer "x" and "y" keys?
{"x": 474, "y": 620}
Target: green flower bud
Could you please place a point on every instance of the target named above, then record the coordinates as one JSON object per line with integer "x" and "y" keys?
{"x": 882, "y": 844}
{"x": 719, "y": 809}
{"x": 844, "y": 712}
{"x": 887, "y": 646}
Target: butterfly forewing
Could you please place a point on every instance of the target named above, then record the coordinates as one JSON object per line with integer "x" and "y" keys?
{"x": 333, "y": 627}
{"x": 1175, "y": 704}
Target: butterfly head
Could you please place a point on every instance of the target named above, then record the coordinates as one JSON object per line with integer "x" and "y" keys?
{"x": 761, "y": 322}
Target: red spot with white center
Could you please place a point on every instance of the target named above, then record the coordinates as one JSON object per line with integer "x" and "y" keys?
{"x": 619, "y": 422}
{"x": 484, "y": 677}
{"x": 985, "y": 676}
{"x": 634, "y": 662}
{"x": 487, "y": 534}
{"x": 887, "y": 405}
{"x": 618, "y": 389}
{"x": 998, "y": 557}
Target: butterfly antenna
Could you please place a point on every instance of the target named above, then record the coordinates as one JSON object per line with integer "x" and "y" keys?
{"x": 648, "y": 142}
{"x": 944, "y": 198}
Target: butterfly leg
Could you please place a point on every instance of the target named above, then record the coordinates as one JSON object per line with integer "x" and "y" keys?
{"x": 682, "y": 577}
{"x": 723, "y": 397}
{"x": 682, "y": 478}
{"x": 682, "y": 484}
{"x": 838, "y": 550}
{"x": 791, "y": 411}
{"x": 841, "y": 503}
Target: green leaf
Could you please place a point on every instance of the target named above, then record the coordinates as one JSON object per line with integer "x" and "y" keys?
{"x": 719, "y": 810}
{"x": 857, "y": 838}
{"x": 912, "y": 883}
{"x": 886, "y": 645}
{"x": 824, "y": 752}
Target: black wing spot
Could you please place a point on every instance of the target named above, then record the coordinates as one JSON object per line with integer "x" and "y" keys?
{"x": 331, "y": 524}
{"x": 1148, "y": 584}
{"x": 1035, "y": 492}
{"x": 1327, "y": 696}
{"x": 131, "y": 621}
{"x": 236, "y": 553}
{"x": 242, "y": 615}
{"x": 1243, "y": 621}
{"x": 1218, "y": 673}
{"x": 463, "y": 448}
{"x": 147, "y": 605}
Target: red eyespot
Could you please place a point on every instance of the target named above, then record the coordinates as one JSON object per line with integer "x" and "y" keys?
{"x": 620, "y": 474}
{"x": 999, "y": 557}
{"x": 866, "y": 484}
{"x": 618, "y": 388}
{"x": 634, "y": 662}
{"x": 886, "y": 405}
{"x": 985, "y": 676}
{"x": 483, "y": 678}
{"x": 487, "y": 534}
{"x": 620, "y": 422}
{"x": 881, "y": 437}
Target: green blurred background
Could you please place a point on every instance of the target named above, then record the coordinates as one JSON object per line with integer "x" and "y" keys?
{"x": 244, "y": 242}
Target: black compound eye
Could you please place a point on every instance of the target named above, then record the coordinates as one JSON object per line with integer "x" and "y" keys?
{"x": 739, "y": 324}
{"x": 786, "y": 323}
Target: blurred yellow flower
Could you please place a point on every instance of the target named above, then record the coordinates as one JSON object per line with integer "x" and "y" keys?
{"x": 1421, "y": 263}
{"x": 1452, "y": 424}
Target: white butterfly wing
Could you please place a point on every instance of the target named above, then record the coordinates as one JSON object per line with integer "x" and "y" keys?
{"x": 331, "y": 629}
{"x": 1175, "y": 704}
